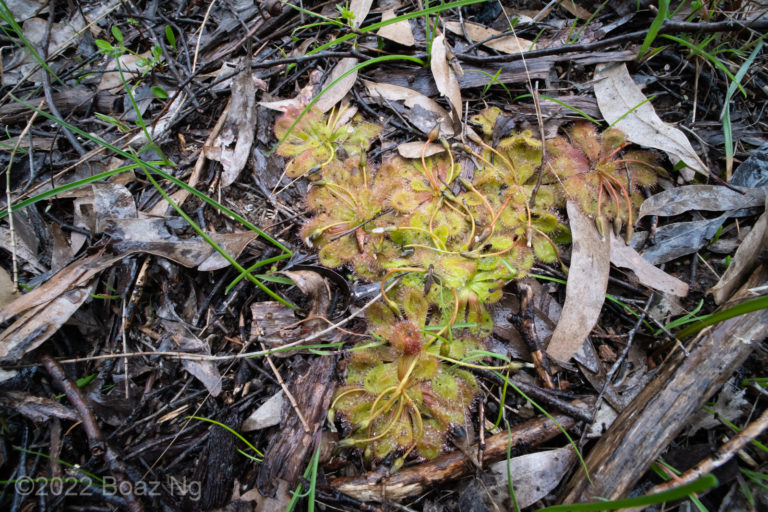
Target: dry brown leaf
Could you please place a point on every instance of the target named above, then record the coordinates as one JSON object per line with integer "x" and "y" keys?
{"x": 268, "y": 414}
{"x": 749, "y": 253}
{"x": 6, "y": 288}
{"x": 302, "y": 99}
{"x": 413, "y": 149}
{"x": 624, "y": 105}
{"x": 712, "y": 198}
{"x": 423, "y": 112}
{"x": 338, "y": 91}
{"x": 445, "y": 78}
{"x": 575, "y": 9}
{"x": 587, "y": 283}
{"x": 129, "y": 65}
{"x": 31, "y": 329}
{"x": 476, "y": 32}
{"x": 533, "y": 475}
{"x": 37, "y": 408}
{"x": 182, "y": 340}
{"x": 360, "y": 8}
{"x": 74, "y": 275}
{"x": 316, "y": 287}
{"x": 233, "y": 145}
{"x": 155, "y": 236}
{"x": 399, "y": 32}
{"x": 625, "y": 256}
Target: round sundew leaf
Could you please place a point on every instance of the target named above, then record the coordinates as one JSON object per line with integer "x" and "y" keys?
{"x": 415, "y": 305}
{"x": 545, "y": 221}
{"x": 338, "y": 252}
{"x": 444, "y": 385}
{"x": 486, "y": 120}
{"x": 404, "y": 200}
{"x": 398, "y": 436}
{"x": 380, "y": 378}
{"x": 420, "y": 185}
{"x": 430, "y": 442}
{"x": 610, "y": 141}
{"x": 584, "y": 136}
{"x": 543, "y": 249}
{"x": 426, "y": 368}
{"x": 380, "y": 318}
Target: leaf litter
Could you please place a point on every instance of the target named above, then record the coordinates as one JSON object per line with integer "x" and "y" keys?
{"x": 109, "y": 268}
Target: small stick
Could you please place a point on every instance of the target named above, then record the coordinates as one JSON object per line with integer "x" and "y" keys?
{"x": 527, "y": 326}
{"x": 720, "y": 457}
{"x": 287, "y": 392}
{"x": 623, "y": 355}
{"x": 15, "y": 263}
{"x": 96, "y": 441}
{"x": 414, "y": 480}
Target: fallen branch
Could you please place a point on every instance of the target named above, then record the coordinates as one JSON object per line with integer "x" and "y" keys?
{"x": 668, "y": 27}
{"x": 660, "y": 412}
{"x": 414, "y": 480}
{"x": 96, "y": 442}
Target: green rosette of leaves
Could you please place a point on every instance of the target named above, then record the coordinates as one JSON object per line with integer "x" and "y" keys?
{"x": 315, "y": 142}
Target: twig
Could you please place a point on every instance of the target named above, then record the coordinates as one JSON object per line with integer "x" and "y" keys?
{"x": 287, "y": 392}
{"x": 14, "y": 260}
{"x": 96, "y": 442}
{"x": 667, "y": 28}
{"x": 244, "y": 355}
{"x": 545, "y": 398}
{"x": 720, "y": 457}
{"x": 414, "y": 480}
{"x": 47, "y": 80}
{"x": 622, "y": 356}
{"x": 526, "y": 325}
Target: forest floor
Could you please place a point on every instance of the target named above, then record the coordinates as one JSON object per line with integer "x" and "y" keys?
{"x": 391, "y": 255}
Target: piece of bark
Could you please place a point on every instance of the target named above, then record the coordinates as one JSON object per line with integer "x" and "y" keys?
{"x": 414, "y": 480}
{"x": 660, "y": 412}
{"x": 215, "y": 466}
{"x": 290, "y": 448}
{"x": 511, "y": 72}
{"x": 80, "y": 99}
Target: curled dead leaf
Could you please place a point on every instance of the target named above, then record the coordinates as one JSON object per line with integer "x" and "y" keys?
{"x": 624, "y": 105}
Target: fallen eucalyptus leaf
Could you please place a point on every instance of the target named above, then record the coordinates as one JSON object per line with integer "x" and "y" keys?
{"x": 587, "y": 283}
{"x": 749, "y": 253}
{"x": 413, "y": 149}
{"x": 268, "y": 414}
{"x": 534, "y": 475}
{"x": 476, "y": 32}
{"x": 422, "y": 111}
{"x": 753, "y": 172}
{"x": 232, "y": 147}
{"x": 334, "y": 95}
{"x": 624, "y": 105}
{"x": 360, "y": 9}
{"x": 625, "y": 256}
{"x": 713, "y": 198}
{"x": 682, "y": 238}
{"x": 399, "y": 32}
{"x": 445, "y": 78}
{"x": 36, "y": 325}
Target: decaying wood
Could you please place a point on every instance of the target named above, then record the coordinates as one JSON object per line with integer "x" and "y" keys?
{"x": 660, "y": 412}
{"x": 288, "y": 452}
{"x": 97, "y": 444}
{"x": 79, "y": 99}
{"x": 513, "y": 72}
{"x": 414, "y": 480}
{"x": 720, "y": 457}
{"x": 527, "y": 327}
